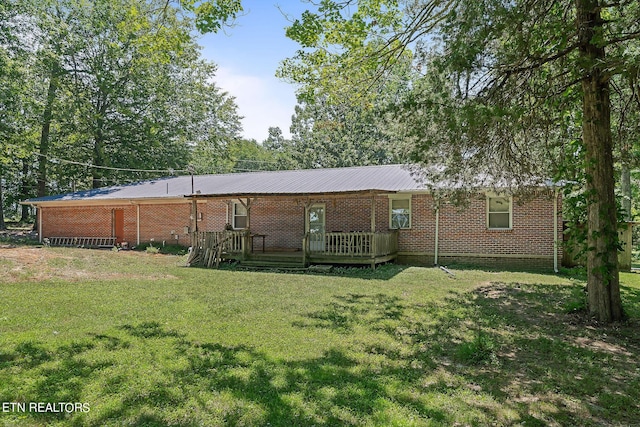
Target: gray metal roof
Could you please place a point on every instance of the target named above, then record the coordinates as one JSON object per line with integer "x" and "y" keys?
{"x": 386, "y": 178}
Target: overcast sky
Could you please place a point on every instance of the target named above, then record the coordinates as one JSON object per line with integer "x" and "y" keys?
{"x": 248, "y": 55}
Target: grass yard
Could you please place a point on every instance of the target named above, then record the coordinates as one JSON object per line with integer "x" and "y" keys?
{"x": 143, "y": 341}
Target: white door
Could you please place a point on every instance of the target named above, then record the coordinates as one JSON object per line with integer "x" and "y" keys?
{"x": 316, "y": 227}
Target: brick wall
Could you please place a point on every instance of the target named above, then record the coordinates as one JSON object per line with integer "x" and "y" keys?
{"x": 461, "y": 230}
{"x": 78, "y": 221}
{"x": 157, "y": 221}
{"x": 465, "y": 237}
{"x": 163, "y": 223}
{"x": 465, "y": 231}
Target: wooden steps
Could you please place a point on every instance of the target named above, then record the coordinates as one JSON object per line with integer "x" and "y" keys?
{"x": 281, "y": 264}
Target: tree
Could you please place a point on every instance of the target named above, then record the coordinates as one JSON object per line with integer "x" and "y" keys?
{"x": 121, "y": 72}
{"x": 101, "y": 89}
{"x": 211, "y": 15}
{"x": 502, "y": 66}
{"x": 338, "y": 135}
{"x": 625, "y": 102}
{"x": 14, "y": 107}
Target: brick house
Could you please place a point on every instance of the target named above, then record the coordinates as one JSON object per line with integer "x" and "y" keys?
{"x": 365, "y": 215}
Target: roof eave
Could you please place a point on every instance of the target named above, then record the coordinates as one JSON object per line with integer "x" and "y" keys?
{"x": 242, "y": 195}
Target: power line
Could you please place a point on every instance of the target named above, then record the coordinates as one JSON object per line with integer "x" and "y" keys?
{"x": 169, "y": 171}
{"x": 89, "y": 165}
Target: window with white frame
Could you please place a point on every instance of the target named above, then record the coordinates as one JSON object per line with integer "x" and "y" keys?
{"x": 499, "y": 212}
{"x": 400, "y": 212}
{"x": 239, "y": 216}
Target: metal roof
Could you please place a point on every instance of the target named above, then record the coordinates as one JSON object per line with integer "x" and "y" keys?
{"x": 385, "y": 178}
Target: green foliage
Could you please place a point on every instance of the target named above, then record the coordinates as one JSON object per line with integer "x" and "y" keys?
{"x": 92, "y": 93}
{"x": 578, "y": 301}
{"x": 152, "y": 249}
{"x": 234, "y": 155}
{"x": 212, "y": 15}
{"x": 339, "y": 135}
{"x": 335, "y": 38}
{"x": 497, "y": 88}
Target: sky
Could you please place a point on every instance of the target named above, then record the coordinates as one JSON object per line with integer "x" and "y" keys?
{"x": 248, "y": 55}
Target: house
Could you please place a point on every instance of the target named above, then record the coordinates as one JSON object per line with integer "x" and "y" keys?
{"x": 356, "y": 215}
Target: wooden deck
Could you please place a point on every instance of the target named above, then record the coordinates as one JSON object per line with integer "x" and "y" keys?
{"x": 355, "y": 248}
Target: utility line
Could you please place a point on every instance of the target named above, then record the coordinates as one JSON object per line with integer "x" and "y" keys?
{"x": 89, "y": 165}
{"x": 170, "y": 171}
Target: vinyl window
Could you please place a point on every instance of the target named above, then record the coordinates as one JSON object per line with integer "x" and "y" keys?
{"x": 499, "y": 213}
{"x": 239, "y": 216}
{"x": 400, "y": 213}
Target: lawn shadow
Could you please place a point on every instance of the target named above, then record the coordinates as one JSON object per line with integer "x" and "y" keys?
{"x": 345, "y": 311}
{"x": 382, "y": 272}
{"x": 59, "y": 375}
{"x": 519, "y": 346}
{"x": 545, "y": 355}
{"x": 149, "y": 330}
{"x": 505, "y": 354}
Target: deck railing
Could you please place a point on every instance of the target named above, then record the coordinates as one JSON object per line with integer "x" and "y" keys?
{"x": 354, "y": 244}
{"x": 232, "y": 241}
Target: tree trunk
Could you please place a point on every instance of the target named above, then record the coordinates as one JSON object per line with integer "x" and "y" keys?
{"x": 25, "y": 192}
{"x": 603, "y": 285}
{"x": 98, "y": 154}
{"x": 44, "y": 136}
{"x": 99, "y": 158}
{"x": 3, "y": 226}
{"x": 625, "y": 187}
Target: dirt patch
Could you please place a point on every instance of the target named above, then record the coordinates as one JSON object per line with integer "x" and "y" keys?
{"x": 26, "y": 256}
{"x": 25, "y": 263}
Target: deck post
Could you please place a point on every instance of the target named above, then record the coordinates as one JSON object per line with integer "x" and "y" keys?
{"x": 194, "y": 214}
{"x": 374, "y": 250}
{"x": 373, "y": 214}
{"x": 246, "y": 244}
{"x": 305, "y": 241}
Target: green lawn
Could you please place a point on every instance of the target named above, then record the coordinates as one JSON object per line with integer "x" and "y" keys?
{"x": 144, "y": 341}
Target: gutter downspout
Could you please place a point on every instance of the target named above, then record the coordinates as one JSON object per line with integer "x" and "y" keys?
{"x": 39, "y": 223}
{"x": 138, "y": 224}
{"x": 555, "y": 231}
{"x": 435, "y": 261}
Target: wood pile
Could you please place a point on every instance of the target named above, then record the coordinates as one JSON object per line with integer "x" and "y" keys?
{"x": 209, "y": 254}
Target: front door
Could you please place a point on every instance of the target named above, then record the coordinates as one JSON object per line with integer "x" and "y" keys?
{"x": 118, "y": 225}
{"x": 316, "y": 227}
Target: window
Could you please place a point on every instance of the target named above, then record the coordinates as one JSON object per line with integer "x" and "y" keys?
{"x": 239, "y": 216}
{"x": 498, "y": 212}
{"x": 400, "y": 212}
